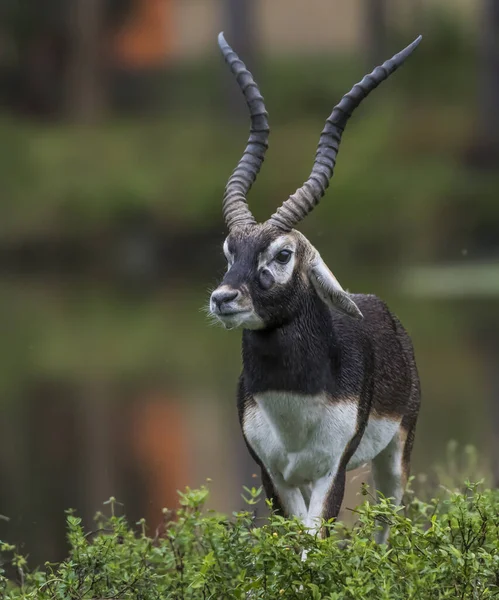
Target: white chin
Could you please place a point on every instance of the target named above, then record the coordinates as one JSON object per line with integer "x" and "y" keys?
{"x": 245, "y": 320}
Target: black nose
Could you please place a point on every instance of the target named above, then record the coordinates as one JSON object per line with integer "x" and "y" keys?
{"x": 224, "y": 296}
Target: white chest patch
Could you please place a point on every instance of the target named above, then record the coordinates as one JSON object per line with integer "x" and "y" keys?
{"x": 302, "y": 438}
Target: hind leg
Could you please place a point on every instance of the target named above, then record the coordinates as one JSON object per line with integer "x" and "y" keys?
{"x": 390, "y": 469}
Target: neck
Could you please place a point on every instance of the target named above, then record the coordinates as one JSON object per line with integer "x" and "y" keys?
{"x": 294, "y": 357}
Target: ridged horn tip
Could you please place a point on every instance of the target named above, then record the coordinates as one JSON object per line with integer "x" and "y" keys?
{"x": 411, "y": 47}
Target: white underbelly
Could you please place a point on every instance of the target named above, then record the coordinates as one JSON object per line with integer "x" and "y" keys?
{"x": 302, "y": 438}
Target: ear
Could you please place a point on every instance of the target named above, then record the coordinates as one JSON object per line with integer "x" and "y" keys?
{"x": 329, "y": 289}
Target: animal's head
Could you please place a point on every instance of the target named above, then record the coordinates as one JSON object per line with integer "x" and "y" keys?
{"x": 272, "y": 266}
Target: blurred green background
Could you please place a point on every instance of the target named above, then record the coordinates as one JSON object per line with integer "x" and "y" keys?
{"x": 119, "y": 127}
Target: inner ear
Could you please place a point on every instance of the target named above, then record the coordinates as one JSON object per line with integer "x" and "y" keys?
{"x": 330, "y": 291}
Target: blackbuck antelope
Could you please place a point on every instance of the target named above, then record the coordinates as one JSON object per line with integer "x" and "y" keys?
{"x": 329, "y": 381}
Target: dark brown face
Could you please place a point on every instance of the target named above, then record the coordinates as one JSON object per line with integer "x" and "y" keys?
{"x": 269, "y": 274}
{"x": 262, "y": 278}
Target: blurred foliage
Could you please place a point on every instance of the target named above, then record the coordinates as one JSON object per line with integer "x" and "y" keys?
{"x": 444, "y": 548}
{"x": 176, "y": 166}
{"x": 400, "y": 166}
{"x": 83, "y": 333}
{"x": 62, "y": 180}
{"x": 23, "y": 20}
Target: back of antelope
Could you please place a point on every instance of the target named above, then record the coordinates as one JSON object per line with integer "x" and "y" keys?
{"x": 329, "y": 381}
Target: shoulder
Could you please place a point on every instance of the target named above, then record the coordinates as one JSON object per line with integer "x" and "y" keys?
{"x": 370, "y": 304}
{"x": 378, "y": 321}
{"x": 373, "y": 309}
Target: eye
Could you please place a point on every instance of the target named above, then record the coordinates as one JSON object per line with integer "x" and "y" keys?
{"x": 283, "y": 256}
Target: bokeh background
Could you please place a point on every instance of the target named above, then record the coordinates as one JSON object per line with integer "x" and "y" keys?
{"x": 119, "y": 126}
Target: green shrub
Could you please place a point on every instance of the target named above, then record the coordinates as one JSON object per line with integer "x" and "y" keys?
{"x": 447, "y": 548}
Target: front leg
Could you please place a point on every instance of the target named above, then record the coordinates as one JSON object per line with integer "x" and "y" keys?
{"x": 328, "y": 491}
{"x": 325, "y": 501}
{"x": 287, "y": 500}
{"x": 291, "y": 499}
{"x": 326, "y": 498}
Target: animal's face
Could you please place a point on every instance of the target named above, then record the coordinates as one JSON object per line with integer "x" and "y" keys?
{"x": 269, "y": 273}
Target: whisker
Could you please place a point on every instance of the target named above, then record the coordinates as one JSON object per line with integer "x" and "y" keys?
{"x": 213, "y": 321}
